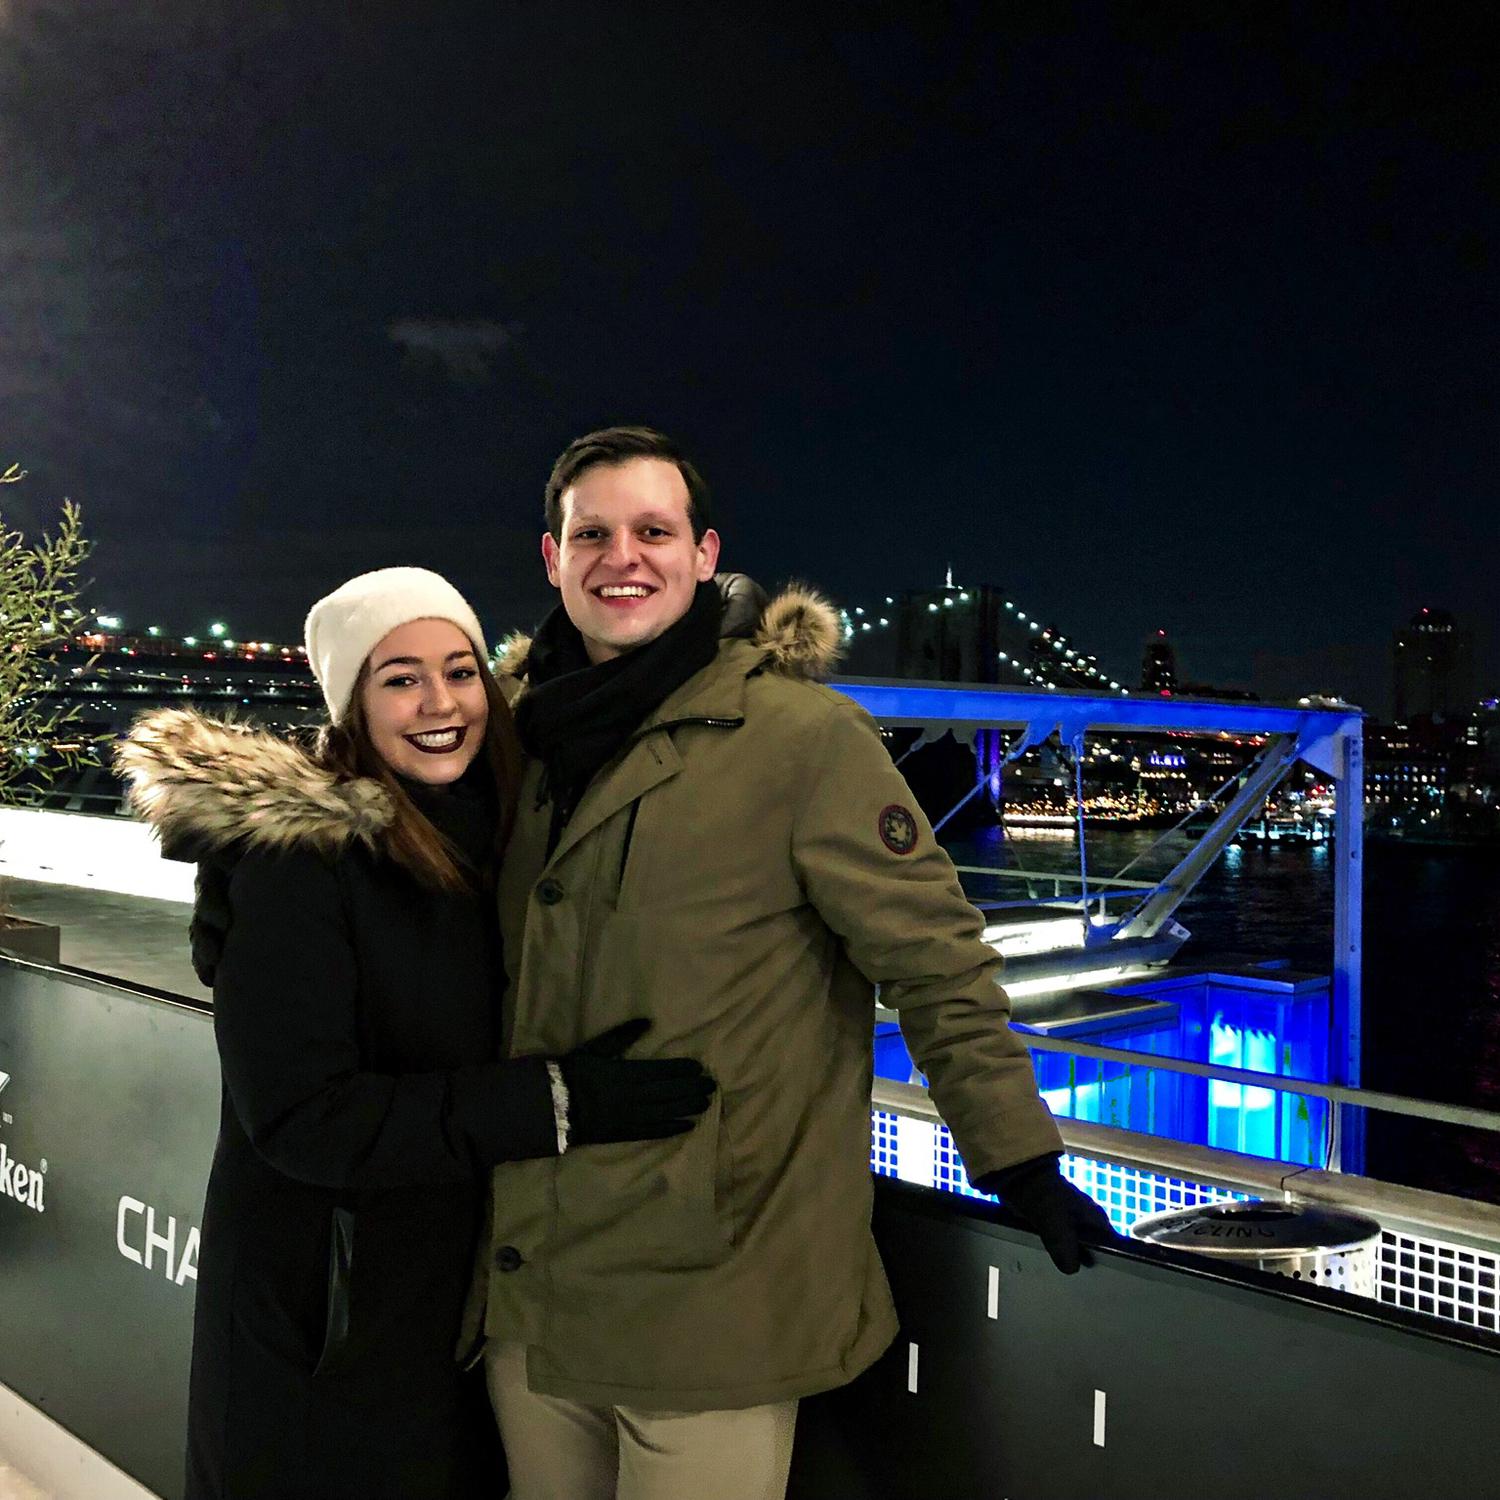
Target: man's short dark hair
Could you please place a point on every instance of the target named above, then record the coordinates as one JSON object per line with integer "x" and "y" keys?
{"x": 618, "y": 445}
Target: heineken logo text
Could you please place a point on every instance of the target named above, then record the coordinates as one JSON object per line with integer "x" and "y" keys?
{"x": 25, "y": 1184}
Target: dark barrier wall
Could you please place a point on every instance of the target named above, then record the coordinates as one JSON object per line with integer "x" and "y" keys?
{"x": 1148, "y": 1376}
{"x": 107, "y": 1127}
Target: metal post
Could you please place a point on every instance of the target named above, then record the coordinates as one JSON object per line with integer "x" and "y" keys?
{"x": 1347, "y": 1150}
{"x": 1083, "y": 858}
{"x": 1260, "y": 780}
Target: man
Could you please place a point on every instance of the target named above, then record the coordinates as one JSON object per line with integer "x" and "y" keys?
{"x": 708, "y": 838}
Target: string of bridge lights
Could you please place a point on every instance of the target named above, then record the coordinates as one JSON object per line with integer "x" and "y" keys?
{"x": 106, "y": 625}
{"x": 859, "y": 620}
{"x": 1082, "y": 667}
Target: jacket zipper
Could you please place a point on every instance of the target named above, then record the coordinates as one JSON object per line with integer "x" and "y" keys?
{"x": 677, "y": 723}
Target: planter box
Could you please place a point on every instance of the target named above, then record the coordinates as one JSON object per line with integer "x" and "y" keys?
{"x": 38, "y": 941}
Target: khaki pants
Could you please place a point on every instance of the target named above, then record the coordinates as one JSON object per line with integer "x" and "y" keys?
{"x": 561, "y": 1450}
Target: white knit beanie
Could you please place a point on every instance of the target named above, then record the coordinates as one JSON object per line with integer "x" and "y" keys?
{"x": 345, "y": 626}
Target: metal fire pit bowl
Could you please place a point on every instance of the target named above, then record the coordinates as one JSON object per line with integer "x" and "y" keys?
{"x": 1329, "y": 1247}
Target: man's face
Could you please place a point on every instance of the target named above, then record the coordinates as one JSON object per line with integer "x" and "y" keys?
{"x": 627, "y": 564}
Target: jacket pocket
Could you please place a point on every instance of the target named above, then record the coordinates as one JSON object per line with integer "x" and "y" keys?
{"x": 646, "y": 1205}
{"x": 635, "y": 808}
{"x": 340, "y": 1274}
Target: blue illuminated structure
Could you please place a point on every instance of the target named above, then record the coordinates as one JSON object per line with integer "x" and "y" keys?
{"x": 1294, "y": 1027}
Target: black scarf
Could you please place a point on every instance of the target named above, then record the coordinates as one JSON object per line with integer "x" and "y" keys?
{"x": 465, "y": 812}
{"x": 574, "y": 716}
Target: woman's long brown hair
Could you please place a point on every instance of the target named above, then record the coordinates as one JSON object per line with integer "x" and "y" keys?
{"x": 412, "y": 841}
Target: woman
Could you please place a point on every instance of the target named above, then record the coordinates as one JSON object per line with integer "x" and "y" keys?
{"x": 356, "y": 1016}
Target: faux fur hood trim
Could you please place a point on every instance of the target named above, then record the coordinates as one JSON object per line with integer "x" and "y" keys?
{"x": 800, "y": 633}
{"x": 203, "y": 781}
{"x": 510, "y": 660}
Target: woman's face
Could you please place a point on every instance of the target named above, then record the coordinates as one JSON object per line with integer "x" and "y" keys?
{"x": 424, "y": 701}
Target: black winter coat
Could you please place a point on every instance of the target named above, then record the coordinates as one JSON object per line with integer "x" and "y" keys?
{"x": 357, "y": 1020}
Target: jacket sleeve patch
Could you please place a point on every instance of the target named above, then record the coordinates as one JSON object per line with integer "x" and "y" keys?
{"x": 897, "y": 828}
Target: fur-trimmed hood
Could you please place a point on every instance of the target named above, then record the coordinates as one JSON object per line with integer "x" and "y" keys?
{"x": 799, "y": 632}
{"x": 204, "y": 783}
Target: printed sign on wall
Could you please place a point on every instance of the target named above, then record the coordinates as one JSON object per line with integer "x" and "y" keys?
{"x": 109, "y": 1103}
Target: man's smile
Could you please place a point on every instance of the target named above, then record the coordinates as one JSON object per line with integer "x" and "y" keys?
{"x": 623, "y": 593}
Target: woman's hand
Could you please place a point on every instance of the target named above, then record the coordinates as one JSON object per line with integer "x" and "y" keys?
{"x": 611, "y": 1097}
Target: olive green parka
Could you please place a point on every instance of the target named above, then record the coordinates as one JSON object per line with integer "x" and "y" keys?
{"x": 744, "y": 873}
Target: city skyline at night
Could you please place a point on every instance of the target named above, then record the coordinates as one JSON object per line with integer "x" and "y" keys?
{"x": 1151, "y": 324}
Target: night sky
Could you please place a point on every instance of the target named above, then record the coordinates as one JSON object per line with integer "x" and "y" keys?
{"x": 1177, "y": 316}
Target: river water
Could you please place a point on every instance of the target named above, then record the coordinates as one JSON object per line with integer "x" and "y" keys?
{"x": 1431, "y": 966}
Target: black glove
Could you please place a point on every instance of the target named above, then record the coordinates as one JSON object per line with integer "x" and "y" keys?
{"x": 1063, "y": 1218}
{"x": 616, "y": 1098}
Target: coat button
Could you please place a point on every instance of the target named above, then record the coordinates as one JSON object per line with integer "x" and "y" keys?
{"x": 508, "y": 1258}
{"x": 549, "y": 893}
